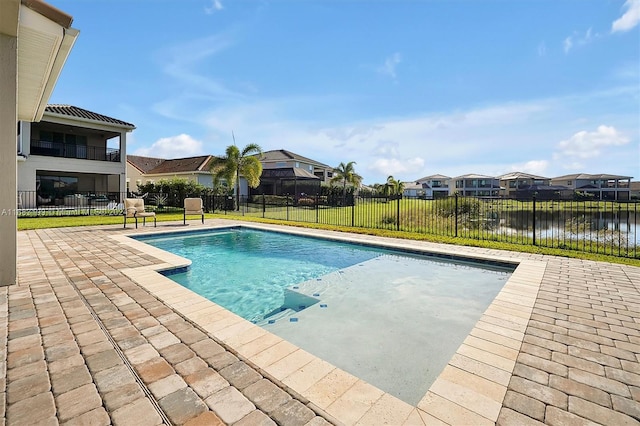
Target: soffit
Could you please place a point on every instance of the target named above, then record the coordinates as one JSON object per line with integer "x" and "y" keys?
{"x": 43, "y": 48}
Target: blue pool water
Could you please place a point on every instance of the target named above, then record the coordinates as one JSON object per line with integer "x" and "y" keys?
{"x": 247, "y": 271}
{"x": 391, "y": 318}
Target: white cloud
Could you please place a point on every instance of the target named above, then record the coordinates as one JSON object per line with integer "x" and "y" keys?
{"x": 534, "y": 167}
{"x": 629, "y": 19}
{"x": 578, "y": 39}
{"x": 390, "y": 64}
{"x": 400, "y": 168}
{"x": 172, "y": 147}
{"x": 584, "y": 145}
{"x": 216, "y": 5}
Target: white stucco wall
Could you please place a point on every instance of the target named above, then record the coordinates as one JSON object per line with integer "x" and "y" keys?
{"x": 8, "y": 168}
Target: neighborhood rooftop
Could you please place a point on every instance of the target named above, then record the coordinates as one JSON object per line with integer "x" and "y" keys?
{"x": 76, "y": 112}
{"x": 283, "y": 155}
{"x": 150, "y": 165}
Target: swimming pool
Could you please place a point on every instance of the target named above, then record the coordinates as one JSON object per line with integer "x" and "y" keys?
{"x": 391, "y": 318}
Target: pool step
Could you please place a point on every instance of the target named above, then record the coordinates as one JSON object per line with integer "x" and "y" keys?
{"x": 278, "y": 316}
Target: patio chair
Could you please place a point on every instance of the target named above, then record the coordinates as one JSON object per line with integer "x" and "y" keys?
{"x": 134, "y": 207}
{"x": 193, "y": 206}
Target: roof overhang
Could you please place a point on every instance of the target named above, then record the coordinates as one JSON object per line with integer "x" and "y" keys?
{"x": 44, "y": 40}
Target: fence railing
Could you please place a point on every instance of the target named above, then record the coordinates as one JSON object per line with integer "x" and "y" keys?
{"x": 605, "y": 227}
{"x": 59, "y": 149}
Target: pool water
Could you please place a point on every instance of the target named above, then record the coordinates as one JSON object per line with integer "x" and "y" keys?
{"x": 248, "y": 271}
{"x": 391, "y": 318}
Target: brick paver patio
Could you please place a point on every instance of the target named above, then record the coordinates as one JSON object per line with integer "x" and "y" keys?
{"x": 86, "y": 342}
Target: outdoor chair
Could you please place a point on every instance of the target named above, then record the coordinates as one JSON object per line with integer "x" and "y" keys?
{"x": 193, "y": 206}
{"x": 134, "y": 207}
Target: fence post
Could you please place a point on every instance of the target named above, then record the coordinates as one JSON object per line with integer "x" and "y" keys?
{"x": 456, "y": 215}
{"x": 264, "y": 206}
{"x": 353, "y": 212}
{"x": 534, "y": 220}
{"x": 287, "y": 203}
{"x": 398, "y": 213}
{"x": 317, "y": 208}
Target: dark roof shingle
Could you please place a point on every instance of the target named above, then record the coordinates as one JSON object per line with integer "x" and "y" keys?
{"x": 150, "y": 165}
{"x": 73, "y": 111}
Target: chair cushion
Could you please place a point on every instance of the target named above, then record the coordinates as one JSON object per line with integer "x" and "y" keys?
{"x": 135, "y": 206}
{"x": 193, "y": 205}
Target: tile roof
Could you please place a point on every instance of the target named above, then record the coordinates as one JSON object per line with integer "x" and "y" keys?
{"x": 520, "y": 175}
{"x": 150, "y": 165}
{"x": 284, "y": 155}
{"x": 591, "y": 177}
{"x": 73, "y": 111}
{"x": 474, "y": 176}
{"x": 432, "y": 177}
{"x": 144, "y": 164}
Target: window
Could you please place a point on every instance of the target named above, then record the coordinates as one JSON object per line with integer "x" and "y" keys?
{"x": 297, "y": 164}
{"x": 569, "y": 182}
{"x": 55, "y": 187}
{"x": 310, "y": 168}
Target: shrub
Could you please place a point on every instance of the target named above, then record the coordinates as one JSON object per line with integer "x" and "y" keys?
{"x": 388, "y": 219}
{"x": 306, "y": 202}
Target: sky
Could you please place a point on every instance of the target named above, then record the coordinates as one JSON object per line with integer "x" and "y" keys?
{"x": 407, "y": 88}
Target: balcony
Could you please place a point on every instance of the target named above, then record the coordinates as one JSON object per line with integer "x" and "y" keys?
{"x": 59, "y": 149}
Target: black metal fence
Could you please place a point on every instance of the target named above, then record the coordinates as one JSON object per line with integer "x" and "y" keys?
{"x": 605, "y": 227}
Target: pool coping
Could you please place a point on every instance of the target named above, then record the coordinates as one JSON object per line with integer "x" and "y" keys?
{"x": 470, "y": 389}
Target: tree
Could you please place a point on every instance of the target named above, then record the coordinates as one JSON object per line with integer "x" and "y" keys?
{"x": 346, "y": 174}
{"x": 393, "y": 186}
{"x": 236, "y": 163}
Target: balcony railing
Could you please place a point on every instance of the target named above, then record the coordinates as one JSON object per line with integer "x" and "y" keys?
{"x": 58, "y": 149}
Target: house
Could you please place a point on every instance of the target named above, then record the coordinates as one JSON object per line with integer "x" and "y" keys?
{"x": 70, "y": 154}
{"x": 600, "y": 186}
{"x": 473, "y": 185}
{"x": 415, "y": 190}
{"x": 284, "y": 172}
{"x": 634, "y": 188}
{"x": 35, "y": 41}
{"x": 435, "y": 186}
{"x": 519, "y": 182}
{"x": 141, "y": 170}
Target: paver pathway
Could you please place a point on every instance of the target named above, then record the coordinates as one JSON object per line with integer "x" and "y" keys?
{"x": 83, "y": 344}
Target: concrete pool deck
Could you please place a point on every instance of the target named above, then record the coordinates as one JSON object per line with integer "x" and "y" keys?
{"x": 93, "y": 334}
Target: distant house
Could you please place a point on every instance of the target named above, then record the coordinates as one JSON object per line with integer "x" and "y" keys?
{"x": 71, "y": 154}
{"x": 519, "y": 182}
{"x": 634, "y": 188}
{"x": 142, "y": 170}
{"x": 472, "y": 185}
{"x": 283, "y": 172}
{"x": 415, "y": 190}
{"x": 524, "y": 186}
{"x": 288, "y": 173}
{"x": 435, "y": 186}
{"x": 600, "y": 186}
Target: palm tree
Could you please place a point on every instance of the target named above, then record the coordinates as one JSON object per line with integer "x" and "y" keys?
{"x": 236, "y": 163}
{"x": 393, "y": 186}
{"x": 346, "y": 174}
